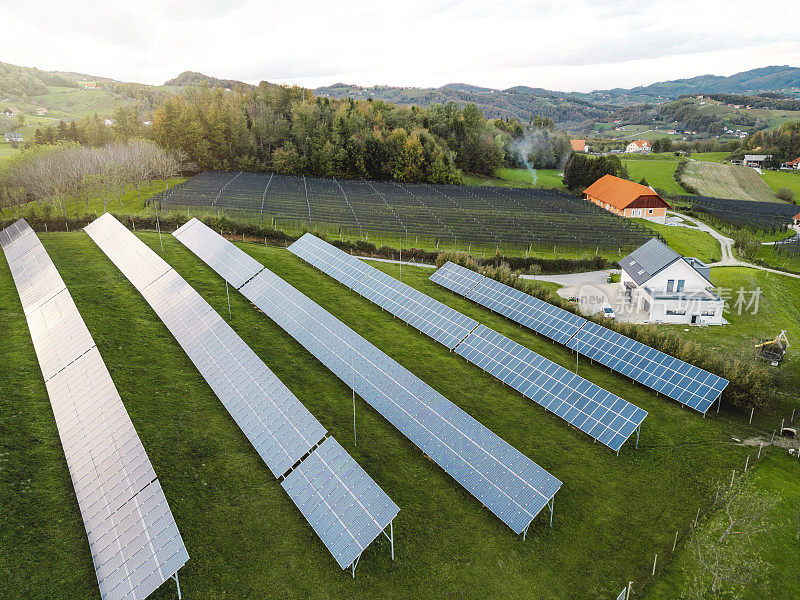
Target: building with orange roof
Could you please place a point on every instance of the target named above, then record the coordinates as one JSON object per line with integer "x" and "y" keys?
{"x": 796, "y": 219}
{"x": 793, "y": 164}
{"x": 579, "y": 145}
{"x": 627, "y": 199}
{"x": 639, "y": 146}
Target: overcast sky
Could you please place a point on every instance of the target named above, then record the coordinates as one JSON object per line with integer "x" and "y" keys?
{"x": 571, "y": 46}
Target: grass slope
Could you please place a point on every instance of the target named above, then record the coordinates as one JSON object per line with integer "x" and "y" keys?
{"x": 784, "y": 179}
{"x": 245, "y": 537}
{"x": 727, "y": 181}
{"x": 778, "y": 474}
{"x": 545, "y": 178}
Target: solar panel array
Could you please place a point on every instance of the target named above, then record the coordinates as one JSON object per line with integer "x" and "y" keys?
{"x": 277, "y": 424}
{"x": 433, "y": 318}
{"x": 134, "y": 541}
{"x": 551, "y": 321}
{"x": 455, "y": 331}
{"x": 507, "y": 482}
{"x": 676, "y": 379}
{"x": 598, "y": 413}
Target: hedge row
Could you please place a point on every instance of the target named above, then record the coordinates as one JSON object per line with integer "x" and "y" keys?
{"x": 749, "y": 381}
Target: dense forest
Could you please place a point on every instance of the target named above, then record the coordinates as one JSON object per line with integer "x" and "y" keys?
{"x": 22, "y": 82}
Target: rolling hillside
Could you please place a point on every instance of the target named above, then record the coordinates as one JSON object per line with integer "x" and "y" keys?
{"x": 728, "y": 181}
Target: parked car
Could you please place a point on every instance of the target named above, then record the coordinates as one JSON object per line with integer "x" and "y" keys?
{"x": 608, "y": 312}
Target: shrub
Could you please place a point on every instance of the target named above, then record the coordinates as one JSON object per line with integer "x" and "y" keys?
{"x": 785, "y": 194}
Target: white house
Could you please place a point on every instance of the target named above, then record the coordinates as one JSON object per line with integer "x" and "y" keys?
{"x": 669, "y": 287}
{"x": 640, "y": 146}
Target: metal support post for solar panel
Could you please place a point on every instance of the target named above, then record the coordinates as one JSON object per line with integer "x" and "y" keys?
{"x": 390, "y": 536}
{"x": 178, "y": 584}
{"x": 228, "y": 294}
{"x": 638, "y": 430}
{"x": 552, "y": 505}
{"x": 158, "y": 227}
{"x": 355, "y": 442}
{"x": 354, "y": 565}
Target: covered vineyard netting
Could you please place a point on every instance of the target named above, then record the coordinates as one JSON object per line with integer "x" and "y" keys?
{"x": 767, "y": 216}
{"x": 419, "y": 214}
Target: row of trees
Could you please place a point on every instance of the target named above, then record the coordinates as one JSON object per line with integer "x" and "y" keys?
{"x": 66, "y": 173}
{"x": 287, "y": 130}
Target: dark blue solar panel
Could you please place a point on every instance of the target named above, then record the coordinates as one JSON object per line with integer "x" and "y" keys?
{"x": 433, "y": 318}
{"x": 503, "y": 479}
{"x": 551, "y": 321}
{"x": 598, "y": 413}
{"x": 676, "y": 379}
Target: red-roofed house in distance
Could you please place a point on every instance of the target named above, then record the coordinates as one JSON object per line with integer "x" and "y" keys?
{"x": 579, "y": 145}
{"x": 627, "y": 199}
{"x": 793, "y": 164}
{"x": 796, "y": 219}
{"x": 639, "y": 146}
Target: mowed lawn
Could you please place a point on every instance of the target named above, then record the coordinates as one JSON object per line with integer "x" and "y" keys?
{"x": 545, "y": 178}
{"x": 727, "y": 181}
{"x": 686, "y": 241}
{"x": 784, "y": 179}
{"x": 245, "y": 537}
{"x": 658, "y": 174}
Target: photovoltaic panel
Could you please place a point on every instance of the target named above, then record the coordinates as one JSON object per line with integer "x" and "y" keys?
{"x": 502, "y": 478}
{"x": 430, "y": 316}
{"x": 454, "y": 331}
{"x": 134, "y": 541}
{"x": 598, "y": 413}
{"x": 551, "y": 321}
{"x": 238, "y": 268}
{"x": 344, "y": 506}
{"x": 676, "y": 379}
{"x": 280, "y": 428}
{"x": 670, "y": 376}
{"x": 277, "y": 424}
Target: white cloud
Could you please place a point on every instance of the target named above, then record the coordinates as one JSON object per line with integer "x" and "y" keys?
{"x": 579, "y": 45}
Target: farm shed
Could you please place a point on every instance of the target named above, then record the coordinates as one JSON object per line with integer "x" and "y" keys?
{"x": 627, "y": 199}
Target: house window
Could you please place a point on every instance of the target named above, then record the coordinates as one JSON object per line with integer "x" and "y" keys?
{"x": 649, "y": 211}
{"x": 680, "y": 285}
{"x": 670, "y": 285}
{"x": 675, "y": 312}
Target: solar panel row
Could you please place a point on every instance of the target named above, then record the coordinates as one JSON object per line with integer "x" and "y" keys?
{"x": 134, "y": 541}
{"x": 676, "y": 379}
{"x": 503, "y": 479}
{"x": 280, "y": 428}
{"x": 456, "y": 331}
{"x": 598, "y": 413}
{"x": 433, "y": 318}
{"x": 551, "y": 321}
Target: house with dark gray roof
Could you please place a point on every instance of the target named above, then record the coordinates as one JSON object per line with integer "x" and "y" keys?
{"x": 668, "y": 287}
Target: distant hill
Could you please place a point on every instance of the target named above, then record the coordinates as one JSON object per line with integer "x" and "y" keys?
{"x": 784, "y": 79}
{"x": 575, "y": 110}
{"x": 188, "y": 78}
{"x": 21, "y": 82}
{"x": 518, "y": 102}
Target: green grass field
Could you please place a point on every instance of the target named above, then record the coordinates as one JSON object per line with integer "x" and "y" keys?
{"x": 658, "y": 174}
{"x": 688, "y": 242}
{"x": 245, "y": 537}
{"x": 784, "y": 179}
{"x": 727, "y": 181}
{"x": 545, "y": 178}
{"x": 778, "y": 474}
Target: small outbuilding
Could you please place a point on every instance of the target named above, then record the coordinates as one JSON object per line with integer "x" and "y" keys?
{"x": 627, "y": 199}
{"x": 755, "y": 160}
